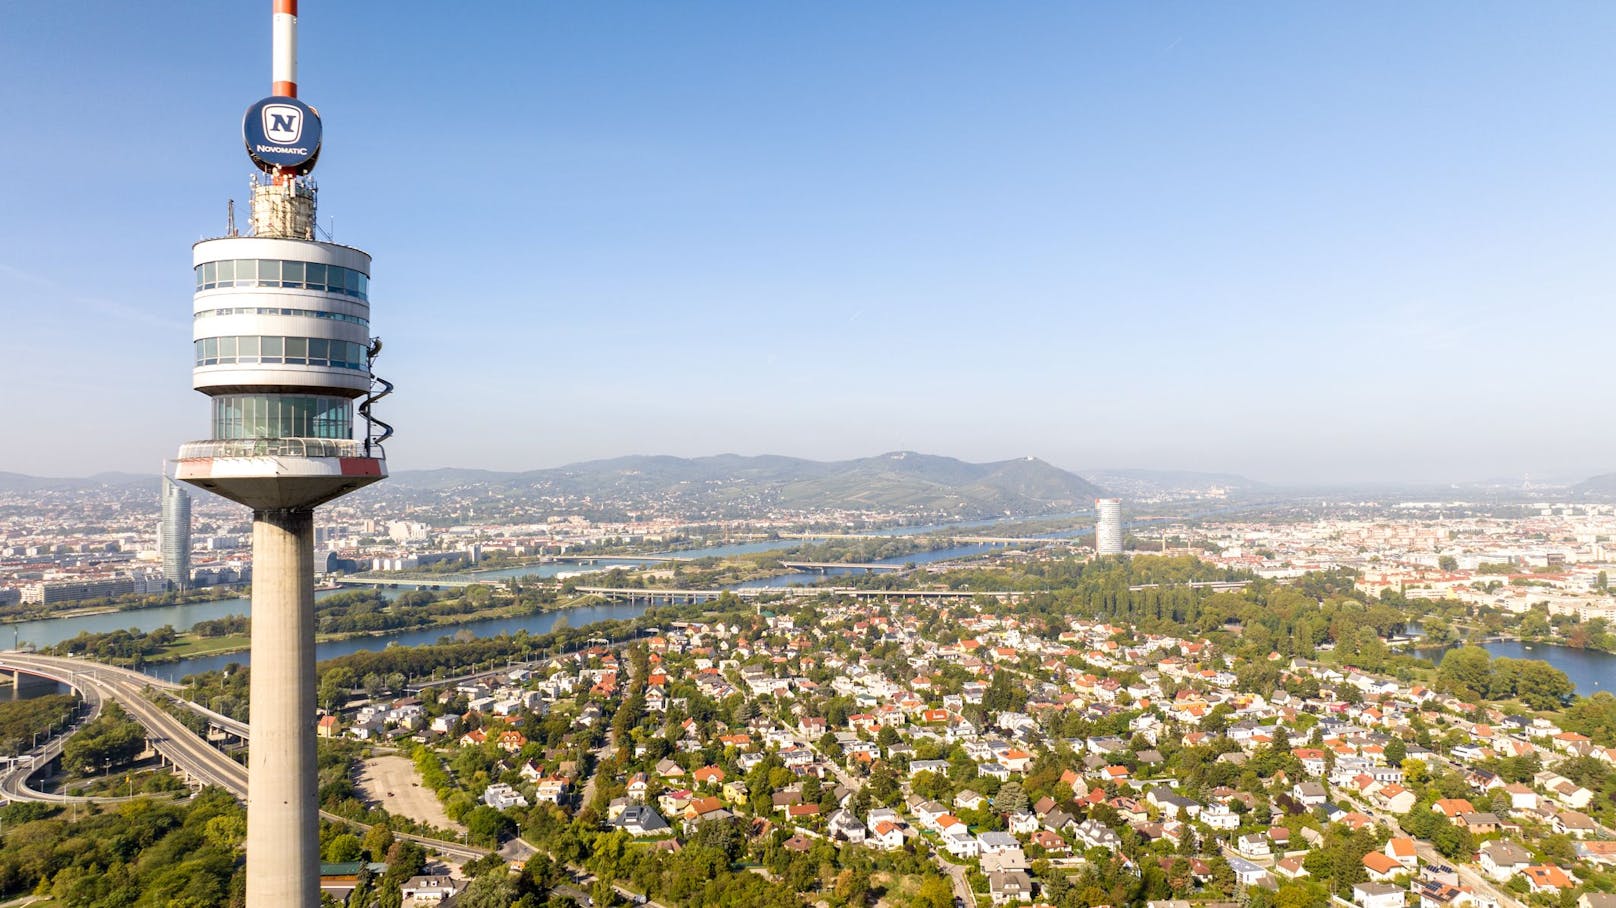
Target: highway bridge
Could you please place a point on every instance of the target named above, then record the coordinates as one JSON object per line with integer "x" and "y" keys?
{"x": 1214, "y": 585}
{"x": 948, "y": 537}
{"x": 418, "y": 583}
{"x": 177, "y": 744}
{"x": 190, "y": 754}
{"x": 652, "y": 595}
{"x": 613, "y": 559}
{"x": 460, "y": 581}
{"x": 841, "y": 565}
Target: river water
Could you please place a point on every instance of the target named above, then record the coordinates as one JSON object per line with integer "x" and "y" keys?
{"x": 1589, "y": 670}
{"x": 807, "y": 578}
{"x": 488, "y": 627}
{"x": 50, "y": 631}
{"x": 535, "y": 624}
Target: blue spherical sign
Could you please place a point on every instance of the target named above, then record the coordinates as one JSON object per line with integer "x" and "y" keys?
{"x": 282, "y": 134}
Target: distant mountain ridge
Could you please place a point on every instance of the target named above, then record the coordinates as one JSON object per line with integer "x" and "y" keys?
{"x": 900, "y": 480}
{"x": 1147, "y": 483}
{"x": 17, "y": 482}
{"x": 1601, "y": 486}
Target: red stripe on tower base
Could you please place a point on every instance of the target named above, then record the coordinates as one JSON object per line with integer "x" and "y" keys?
{"x": 361, "y": 466}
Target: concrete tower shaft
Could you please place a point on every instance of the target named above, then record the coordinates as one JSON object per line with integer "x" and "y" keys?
{"x": 283, "y": 811}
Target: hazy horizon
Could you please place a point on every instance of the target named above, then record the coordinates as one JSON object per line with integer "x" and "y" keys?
{"x": 1278, "y": 484}
{"x": 1295, "y": 243}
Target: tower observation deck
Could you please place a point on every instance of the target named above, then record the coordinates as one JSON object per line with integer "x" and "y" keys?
{"x": 282, "y": 347}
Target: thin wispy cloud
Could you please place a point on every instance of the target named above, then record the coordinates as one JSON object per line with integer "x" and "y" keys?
{"x": 57, "y": 293}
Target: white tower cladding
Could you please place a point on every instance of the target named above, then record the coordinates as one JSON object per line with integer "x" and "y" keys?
{"x": 1108, "y": 526}
{"x": 281, "y": 340}
{"x": 282, "y": 348}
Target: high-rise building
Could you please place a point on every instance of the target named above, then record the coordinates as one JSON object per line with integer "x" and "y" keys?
{"x": 174, "y": 534}
{"x": 283, "y": 350}
{"x": 1108, "y": 526}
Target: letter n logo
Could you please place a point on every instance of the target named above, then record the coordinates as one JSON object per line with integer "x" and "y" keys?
{"x": 283, "y": 123}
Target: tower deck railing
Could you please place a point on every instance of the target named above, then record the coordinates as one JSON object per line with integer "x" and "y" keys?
{"x": 272, "y": 447}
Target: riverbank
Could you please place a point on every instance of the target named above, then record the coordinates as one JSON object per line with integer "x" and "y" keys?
{"x": 187, "y": 647}
{"x": 46, "y": 613}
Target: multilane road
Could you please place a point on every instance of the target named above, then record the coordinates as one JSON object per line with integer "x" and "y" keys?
{"x": 168, "y": 736}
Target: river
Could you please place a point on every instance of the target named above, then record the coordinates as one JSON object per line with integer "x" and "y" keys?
{"x": 50, "y": 631}
{"x": 538, "y": 624}
{"x": 487, "y": 627}
{"x": 808, "y": 578}
{"x": 625, "y": 561}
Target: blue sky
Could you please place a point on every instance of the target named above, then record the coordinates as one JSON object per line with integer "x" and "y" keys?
{"x": 1297, "y": 241}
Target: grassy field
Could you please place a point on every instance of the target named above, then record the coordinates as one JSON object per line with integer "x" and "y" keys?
{"x": 187, "y": 646}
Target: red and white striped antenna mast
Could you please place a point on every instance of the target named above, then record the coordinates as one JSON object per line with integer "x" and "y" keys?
{"x": 283, "y": 49}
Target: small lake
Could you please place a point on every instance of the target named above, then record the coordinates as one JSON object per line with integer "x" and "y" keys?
{"x": 1590, "y": 670}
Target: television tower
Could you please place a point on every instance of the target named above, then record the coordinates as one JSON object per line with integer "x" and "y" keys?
{"x": 283, "y": 350}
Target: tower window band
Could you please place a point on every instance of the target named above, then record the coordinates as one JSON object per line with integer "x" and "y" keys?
{"x": 278, "y": 310}
{"x": 283, "y": 274}
{"x": 280, "y": 351}
{"x": 281, "y": 416}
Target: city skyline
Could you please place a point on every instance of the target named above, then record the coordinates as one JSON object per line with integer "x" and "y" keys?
{"x": 1295, "y": 245}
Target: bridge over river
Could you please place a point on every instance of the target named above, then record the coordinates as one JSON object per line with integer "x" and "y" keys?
{"x": 672, "y": 596}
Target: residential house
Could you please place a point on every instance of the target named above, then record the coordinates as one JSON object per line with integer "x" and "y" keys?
{"x": 1377, "y": 895}
{"x": 1308, "y": 794}
{"x": 1501, "y": 860}
{"x": 1094, "y": 834}
{"x": 1401, "y": 849}
{"x": 997, "y": 842}
{"x": 1290, "y": 868}
{"x": 429, "y": 889}
{"x": 1253, "y": 846}
{"x": 501, "y": 796}
{"x": 639, "y": 820}
{"x": 551, "y": 789}
{"x": 1009, "y": 887}
{"x": 1382, "y": 867}
{"x": 843, "y": 824}
{"x": 886, "y": 835}
{"x": 1547, "y": 878}
{"x": 1249, "y": 874}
